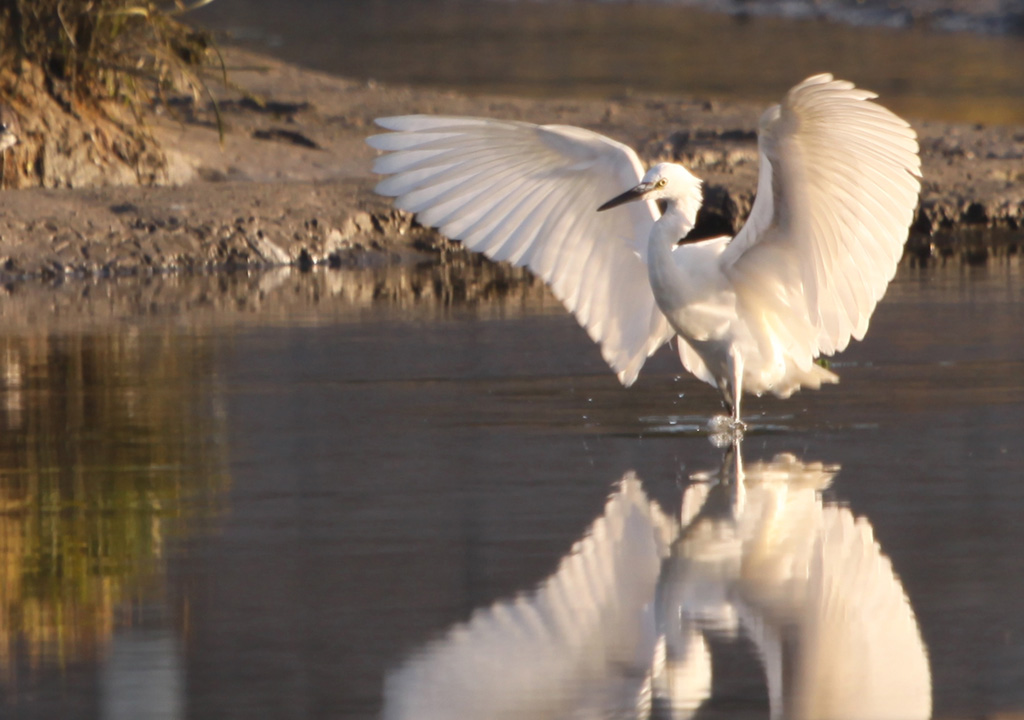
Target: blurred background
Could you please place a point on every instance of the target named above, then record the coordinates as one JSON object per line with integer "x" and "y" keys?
{"x": 930, "y": 59}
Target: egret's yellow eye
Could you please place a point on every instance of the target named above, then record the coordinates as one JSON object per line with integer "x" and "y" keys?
{"x": 661, "y": 183}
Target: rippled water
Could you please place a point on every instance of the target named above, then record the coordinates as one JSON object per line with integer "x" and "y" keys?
{"x": 267, "y": 509}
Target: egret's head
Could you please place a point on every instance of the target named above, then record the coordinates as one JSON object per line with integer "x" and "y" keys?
{"x": 668, "y": 182}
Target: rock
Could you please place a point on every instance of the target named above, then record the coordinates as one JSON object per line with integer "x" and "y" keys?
{"x": 74, "y": 146}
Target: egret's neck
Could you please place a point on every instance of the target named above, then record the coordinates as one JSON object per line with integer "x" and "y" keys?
{"x": 668, "y": 280}
{"x": 670, "y": 228}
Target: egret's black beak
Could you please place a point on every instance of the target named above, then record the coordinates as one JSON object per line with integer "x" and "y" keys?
{"x": 629, "y": 196}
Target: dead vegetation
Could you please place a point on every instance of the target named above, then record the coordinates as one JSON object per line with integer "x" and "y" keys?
{"x": 77, "y": 78}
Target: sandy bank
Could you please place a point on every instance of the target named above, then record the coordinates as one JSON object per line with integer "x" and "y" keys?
{"x": 291, "y": 183}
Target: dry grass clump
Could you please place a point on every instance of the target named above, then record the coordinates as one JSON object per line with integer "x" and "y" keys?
{"x": 77, "y": 77}
{"x": 113, "y": 48}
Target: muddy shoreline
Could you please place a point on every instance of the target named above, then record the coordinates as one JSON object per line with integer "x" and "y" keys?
{"x": 291, "y": 185}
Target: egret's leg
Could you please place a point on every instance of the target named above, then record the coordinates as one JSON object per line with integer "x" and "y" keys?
{"x": 736, "y": 363}
{"x": 727, "y": 404}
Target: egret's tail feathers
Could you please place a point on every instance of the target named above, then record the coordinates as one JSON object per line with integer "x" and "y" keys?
{"x": 812, "y": 378}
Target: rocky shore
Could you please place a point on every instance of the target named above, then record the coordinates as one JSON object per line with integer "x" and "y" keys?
{"x": 290, "y": 183}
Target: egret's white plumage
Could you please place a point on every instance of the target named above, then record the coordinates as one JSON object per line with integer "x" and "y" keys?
{"x": 838, "y": 184}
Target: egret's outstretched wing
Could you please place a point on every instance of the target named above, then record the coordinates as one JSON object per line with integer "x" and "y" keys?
{"x": 839, "y": 181}
{"x": 529, "y": 194}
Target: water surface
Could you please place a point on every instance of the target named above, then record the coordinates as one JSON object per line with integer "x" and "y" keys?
{"x": 574, "y": 49}
{"x": 264, "y": 509}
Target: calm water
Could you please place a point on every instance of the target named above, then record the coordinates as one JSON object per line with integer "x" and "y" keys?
{"x": 260, "y": 512}
{"x": 573, "y": 48}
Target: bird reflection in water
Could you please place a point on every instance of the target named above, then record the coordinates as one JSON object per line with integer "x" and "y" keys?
{"x": 622, "y": 628}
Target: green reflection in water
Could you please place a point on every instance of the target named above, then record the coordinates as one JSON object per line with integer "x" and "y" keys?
{"x": 110, "y": 445}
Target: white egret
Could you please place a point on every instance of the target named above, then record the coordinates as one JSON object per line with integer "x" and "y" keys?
{"x": 838, "y": 184}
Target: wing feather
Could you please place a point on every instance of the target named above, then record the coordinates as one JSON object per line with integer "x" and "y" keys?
{"x": 839, "y": 181}
{"x": 529, "y": 194}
